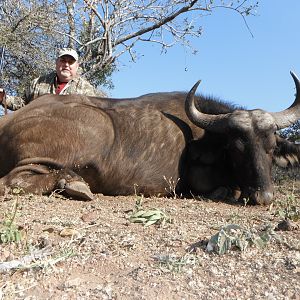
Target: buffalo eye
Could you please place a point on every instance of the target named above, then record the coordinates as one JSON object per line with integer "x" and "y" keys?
{"x": 239, "y": 146}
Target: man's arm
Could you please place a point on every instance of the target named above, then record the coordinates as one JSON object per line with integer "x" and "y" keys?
{"x": 3, "y": 99}
{"x": 2, "y": 95}
{"x": 11, "y": 102}
{"x": 16, "y": 102}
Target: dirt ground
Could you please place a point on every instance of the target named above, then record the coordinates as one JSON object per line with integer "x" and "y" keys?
{"x": 90, "y": 250}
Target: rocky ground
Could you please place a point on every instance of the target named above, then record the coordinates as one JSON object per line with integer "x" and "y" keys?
{"x": 92, "y": 250}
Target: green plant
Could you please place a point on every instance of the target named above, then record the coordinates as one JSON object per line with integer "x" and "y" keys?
{"x": 139, "y": 200}
{"x": 175, "y": 264}
{"x": 149, "y": 217}
{"x": 9, "y": 231}
{"x": 234, "y": 236}
{"x": 287, "y": 208}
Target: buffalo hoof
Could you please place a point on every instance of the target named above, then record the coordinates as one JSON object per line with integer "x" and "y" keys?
{"x": 263, "y": 198}
{"x": 236, "y": 194}
{"x": 77, "y": 189}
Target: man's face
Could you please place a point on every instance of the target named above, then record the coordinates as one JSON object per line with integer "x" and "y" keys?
{"x": 66, "y": 68}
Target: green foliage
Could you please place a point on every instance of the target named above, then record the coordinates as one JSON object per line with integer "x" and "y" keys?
{"x": 288, "y": 209}
{"x": 9, "y": 231}
{"x": 175, "y": 264}
{"x": 138, "y": 203}
{"x": 149, "y": 217}
{"x": 236, "y": 237}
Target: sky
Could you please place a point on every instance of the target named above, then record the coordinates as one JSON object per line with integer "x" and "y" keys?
{"x": 252, "y": 71}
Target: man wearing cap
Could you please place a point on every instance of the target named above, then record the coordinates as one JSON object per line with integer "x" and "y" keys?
{"x": 63, "y": 81}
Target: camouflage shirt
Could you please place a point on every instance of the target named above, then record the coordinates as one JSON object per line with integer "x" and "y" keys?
{"x": 47, "y": 84}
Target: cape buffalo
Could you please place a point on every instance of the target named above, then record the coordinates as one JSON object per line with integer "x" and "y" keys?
{"x": 154, "y": 144}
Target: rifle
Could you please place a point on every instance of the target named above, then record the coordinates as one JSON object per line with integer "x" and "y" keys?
{"x": 1, "y": 69}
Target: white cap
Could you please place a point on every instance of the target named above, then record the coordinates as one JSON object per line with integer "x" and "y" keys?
{"x": 67, "y": 51}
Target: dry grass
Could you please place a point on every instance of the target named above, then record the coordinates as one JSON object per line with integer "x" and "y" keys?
{"x": 80, "y": 250}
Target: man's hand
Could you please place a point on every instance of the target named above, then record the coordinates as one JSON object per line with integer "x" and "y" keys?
{"x": 2, "y": 95}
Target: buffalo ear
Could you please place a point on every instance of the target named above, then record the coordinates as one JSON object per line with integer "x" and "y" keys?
{"x": 286, "y": 153}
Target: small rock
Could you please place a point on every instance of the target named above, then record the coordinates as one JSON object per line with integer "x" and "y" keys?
{"x": 49, "y": 229}
{"x": 73, "y": 282}
{"x": 69, "y": 232}
{"x": 90, "y": 217}
{"x": 285, "y": 225}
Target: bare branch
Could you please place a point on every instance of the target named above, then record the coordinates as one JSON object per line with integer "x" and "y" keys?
{"x": 89, "y": 5}
{"x": 158, "y": 24}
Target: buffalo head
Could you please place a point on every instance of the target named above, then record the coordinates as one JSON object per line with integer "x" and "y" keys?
{"x": 250, "y": 142}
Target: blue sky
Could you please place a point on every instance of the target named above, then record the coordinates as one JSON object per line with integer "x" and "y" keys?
{"x": 233, "y": 65}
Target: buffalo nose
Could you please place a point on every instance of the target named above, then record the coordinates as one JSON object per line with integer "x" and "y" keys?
{"x": 263, "y": 197}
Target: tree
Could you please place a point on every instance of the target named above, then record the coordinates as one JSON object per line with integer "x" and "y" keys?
{"x": 112, "y": 28}
{"x": 101, "y": 30}
{"x": 27, "y": 40}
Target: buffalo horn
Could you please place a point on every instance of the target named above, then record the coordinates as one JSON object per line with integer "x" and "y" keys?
{"x": 216, "y": 123}
{"x": 290, "y": 115}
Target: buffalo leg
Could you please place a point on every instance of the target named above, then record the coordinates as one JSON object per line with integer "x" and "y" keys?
{"x": 212, "y": 182}
{"x": 44, "y": 182}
